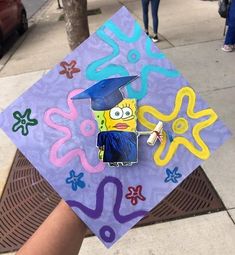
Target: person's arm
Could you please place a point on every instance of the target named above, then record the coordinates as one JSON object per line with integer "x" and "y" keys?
{"x": 61, "y": 233}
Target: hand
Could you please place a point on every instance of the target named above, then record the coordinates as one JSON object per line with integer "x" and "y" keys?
{"x": 61, "y": 233}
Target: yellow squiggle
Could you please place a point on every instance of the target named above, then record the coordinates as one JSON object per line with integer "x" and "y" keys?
{"x": 204, "y": 153}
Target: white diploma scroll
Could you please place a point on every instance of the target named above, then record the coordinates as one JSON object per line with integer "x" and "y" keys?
{"x": 155, "y": 134}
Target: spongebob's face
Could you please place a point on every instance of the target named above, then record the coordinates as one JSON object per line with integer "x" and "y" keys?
{"x": 122, "y": 117}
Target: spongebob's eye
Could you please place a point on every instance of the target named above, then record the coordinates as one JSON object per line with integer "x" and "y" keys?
{"x": 116, "y": 113}
{"x": 127, "y": 112}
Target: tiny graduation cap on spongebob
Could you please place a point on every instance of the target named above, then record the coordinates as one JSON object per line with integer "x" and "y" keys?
{"x": 117, "y": 146}
{"x": 105, "y": 94}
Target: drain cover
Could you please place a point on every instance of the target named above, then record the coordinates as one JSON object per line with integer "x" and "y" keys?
{"x": 28, "y": 199}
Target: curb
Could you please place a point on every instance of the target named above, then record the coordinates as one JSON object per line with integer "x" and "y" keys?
{"x": 32, "y": 23}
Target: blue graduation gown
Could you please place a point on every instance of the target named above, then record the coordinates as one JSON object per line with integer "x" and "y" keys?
{"x": 119, "y": 146}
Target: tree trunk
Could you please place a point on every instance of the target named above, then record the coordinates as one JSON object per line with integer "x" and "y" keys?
{"x": 76, "y": 21}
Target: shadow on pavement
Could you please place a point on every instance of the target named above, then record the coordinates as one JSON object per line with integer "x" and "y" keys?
{"x": 9, "y": 42}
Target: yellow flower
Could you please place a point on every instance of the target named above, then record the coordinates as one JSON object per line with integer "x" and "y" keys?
{"x": 180, "y": 126}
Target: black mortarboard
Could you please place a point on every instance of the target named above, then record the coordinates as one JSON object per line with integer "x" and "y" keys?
{"x": 105, "y": 94}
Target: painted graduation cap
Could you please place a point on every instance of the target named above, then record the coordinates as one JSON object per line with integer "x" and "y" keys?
{"x": 105, "y": 94}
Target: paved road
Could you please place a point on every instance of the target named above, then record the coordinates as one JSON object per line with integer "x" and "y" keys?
{"x": 33, "y": 6}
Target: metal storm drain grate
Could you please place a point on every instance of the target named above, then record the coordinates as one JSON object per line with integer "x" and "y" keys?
{"x": 28, "y": 199}
{"x": 194, "y": 196}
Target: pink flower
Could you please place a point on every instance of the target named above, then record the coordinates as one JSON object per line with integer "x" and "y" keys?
{"x": 69, "y": 68}
{"x": 135, "y": 194}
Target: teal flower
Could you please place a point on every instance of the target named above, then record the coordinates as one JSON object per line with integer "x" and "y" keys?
{"x": 133, "y": 56}
{"x": 23, "y": 121}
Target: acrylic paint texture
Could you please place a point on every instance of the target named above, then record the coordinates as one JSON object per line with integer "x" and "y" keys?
{"x": 59, "y": 135}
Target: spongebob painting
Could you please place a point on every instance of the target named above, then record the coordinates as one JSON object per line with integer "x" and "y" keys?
{"x": 118, "y": 139}
{"x": 117, "y": 121}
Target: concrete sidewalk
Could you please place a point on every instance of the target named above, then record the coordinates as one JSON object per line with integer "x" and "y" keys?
{"x": 191, "y": 35}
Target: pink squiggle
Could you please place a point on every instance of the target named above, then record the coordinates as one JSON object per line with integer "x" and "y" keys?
{"x": 72, "y": 115}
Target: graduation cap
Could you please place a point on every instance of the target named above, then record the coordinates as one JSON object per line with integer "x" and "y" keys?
{"x": 105, "y": 94}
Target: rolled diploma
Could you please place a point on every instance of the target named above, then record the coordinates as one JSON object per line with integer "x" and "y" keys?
{"x": 153, "y": 137}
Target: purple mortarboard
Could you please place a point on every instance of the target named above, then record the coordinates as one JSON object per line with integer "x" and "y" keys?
{"x": 59, "y": 138}
{"x": 105, "y": 94}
